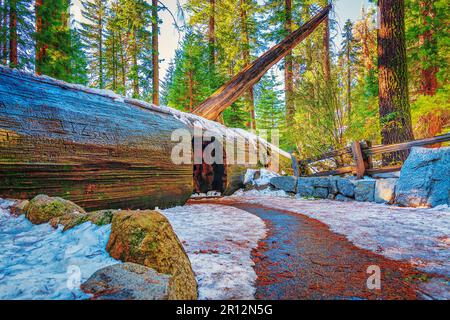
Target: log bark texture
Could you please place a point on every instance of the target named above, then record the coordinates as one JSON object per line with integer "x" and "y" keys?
{"x": 91, "y": 149}
{"x": 212, "y": 107}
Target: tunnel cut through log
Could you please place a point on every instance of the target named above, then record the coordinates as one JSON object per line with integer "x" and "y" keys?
{"x": 210, "y": 177}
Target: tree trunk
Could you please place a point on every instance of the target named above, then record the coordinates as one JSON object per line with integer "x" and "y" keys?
{"x": 155, "y": 53}
{"x": 428, "y": 83}
{"x": 114, "y": 61}
{"x": 41, "y": 48}
{"x": 100, "y": 48}
{"x": 2, "y": 39}
{"x": 191, "y": 90}
{"x": 349, "y": 81}
{"x": 226, "y": 95}
{"x": 122, "y": 63}
{"x": 212, "y": 34}
{"x": 135, "y": 67}
{"x": 326, "y": 50}
{"x": 13, "y": 58}
{"x": 246, "y": 55}
{"x": 395, "y": 116}
{"x": 4, "y": 35}
{"x": 288, "y": 74}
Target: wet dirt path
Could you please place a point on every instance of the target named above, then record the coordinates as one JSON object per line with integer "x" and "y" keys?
{"x": 301, "y": 258}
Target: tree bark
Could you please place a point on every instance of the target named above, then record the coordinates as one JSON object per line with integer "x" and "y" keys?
{"x": 100, "y": 48}
{"x": 212, "y": 34}
{"x": 326, "y": 50}
{"x": 2, "y": 39}
{"x": 41, "y": 48}
{"x": 349, "y": 81}
{"x": 13, "y": 58}
{"x": 191, "y": 90}
{"x": 213, "y": 106}
{"x": 246, "y": 56}
{"x": 4, "y": 23}
{"x": 135, "y": 82}
{"x": 155, "y": 53}
{"x": 428, "y": 83}
{"x": 288, "y": 66}
{"x": 394, "y": 109}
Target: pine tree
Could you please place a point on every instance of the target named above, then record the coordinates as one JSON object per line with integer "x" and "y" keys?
{"x": 16, "y": 35}
{"x": 53, "y": 39}
{"x": 155, "y": 53}
{"x": 115, "y": 50}
{"x": 78, "y": 59}
{"x": 348, "y": 56}
{"x": 270, "y": 107}
{"x": 189, "y": 83}
{"x": 93, "y": 32}
{"x": 229, "y": 28}
{"x": 13, "y": 56}
{"x": 3, "y": 31}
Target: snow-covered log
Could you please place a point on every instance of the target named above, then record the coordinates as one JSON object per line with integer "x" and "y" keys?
{"x": 96, "y": 148}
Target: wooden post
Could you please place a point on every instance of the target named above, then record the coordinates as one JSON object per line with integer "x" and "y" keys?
{"x": 359, "y": 160}
{"x": 368, "y": 160}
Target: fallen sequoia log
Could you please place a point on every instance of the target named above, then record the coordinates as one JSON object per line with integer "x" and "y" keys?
{"x": 102, "y": 150}
{"x": 226, "y": 95}
{"x": 96, "y": 148}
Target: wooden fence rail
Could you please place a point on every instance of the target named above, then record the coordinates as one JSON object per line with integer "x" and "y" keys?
{"x": 362, "y": 153}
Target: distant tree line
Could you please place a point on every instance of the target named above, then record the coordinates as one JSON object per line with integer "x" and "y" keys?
{"x": 386, "y": 83}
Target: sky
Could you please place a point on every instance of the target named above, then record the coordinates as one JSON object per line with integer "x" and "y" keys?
{"x": 169, "y": 37}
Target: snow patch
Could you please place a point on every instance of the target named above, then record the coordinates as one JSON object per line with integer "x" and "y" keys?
{"x": 261, "y": 193}
{"x": 218, "y": 241}
{"x": 39, "y": 262}
{"x": 262, "y": 180}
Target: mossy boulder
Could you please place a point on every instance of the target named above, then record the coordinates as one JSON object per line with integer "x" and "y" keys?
{"x": 73, "y": 219}
{"x": 43, "y": 208}
{"x": 147, "y": 238}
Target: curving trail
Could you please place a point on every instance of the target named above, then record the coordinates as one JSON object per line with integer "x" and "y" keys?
{"x": 301, "y": 258}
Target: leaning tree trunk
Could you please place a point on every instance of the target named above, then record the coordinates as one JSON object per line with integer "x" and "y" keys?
{"x": 226, "y": 95}
{"x": 13, "y": 58}
{"x": 288, "y": 66}
{"x": 395, "y": 116}
{"x": 155, "y": 53}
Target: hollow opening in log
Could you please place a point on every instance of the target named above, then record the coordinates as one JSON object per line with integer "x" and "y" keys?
{"x": 210, "y": 177}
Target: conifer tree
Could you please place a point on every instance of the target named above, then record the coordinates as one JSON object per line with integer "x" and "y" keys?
{"x": 53, "y": 39}
{"x": 93, "y": 32}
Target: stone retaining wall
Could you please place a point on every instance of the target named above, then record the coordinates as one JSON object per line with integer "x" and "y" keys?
{"x": 337, "y": 188}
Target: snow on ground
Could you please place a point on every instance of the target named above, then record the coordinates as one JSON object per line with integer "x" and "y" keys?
{"x": 39, "y": 262}
{"x": 218, "y": 240}
{"x": 421, "y": 236}
{"x": 262, "y": 180}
